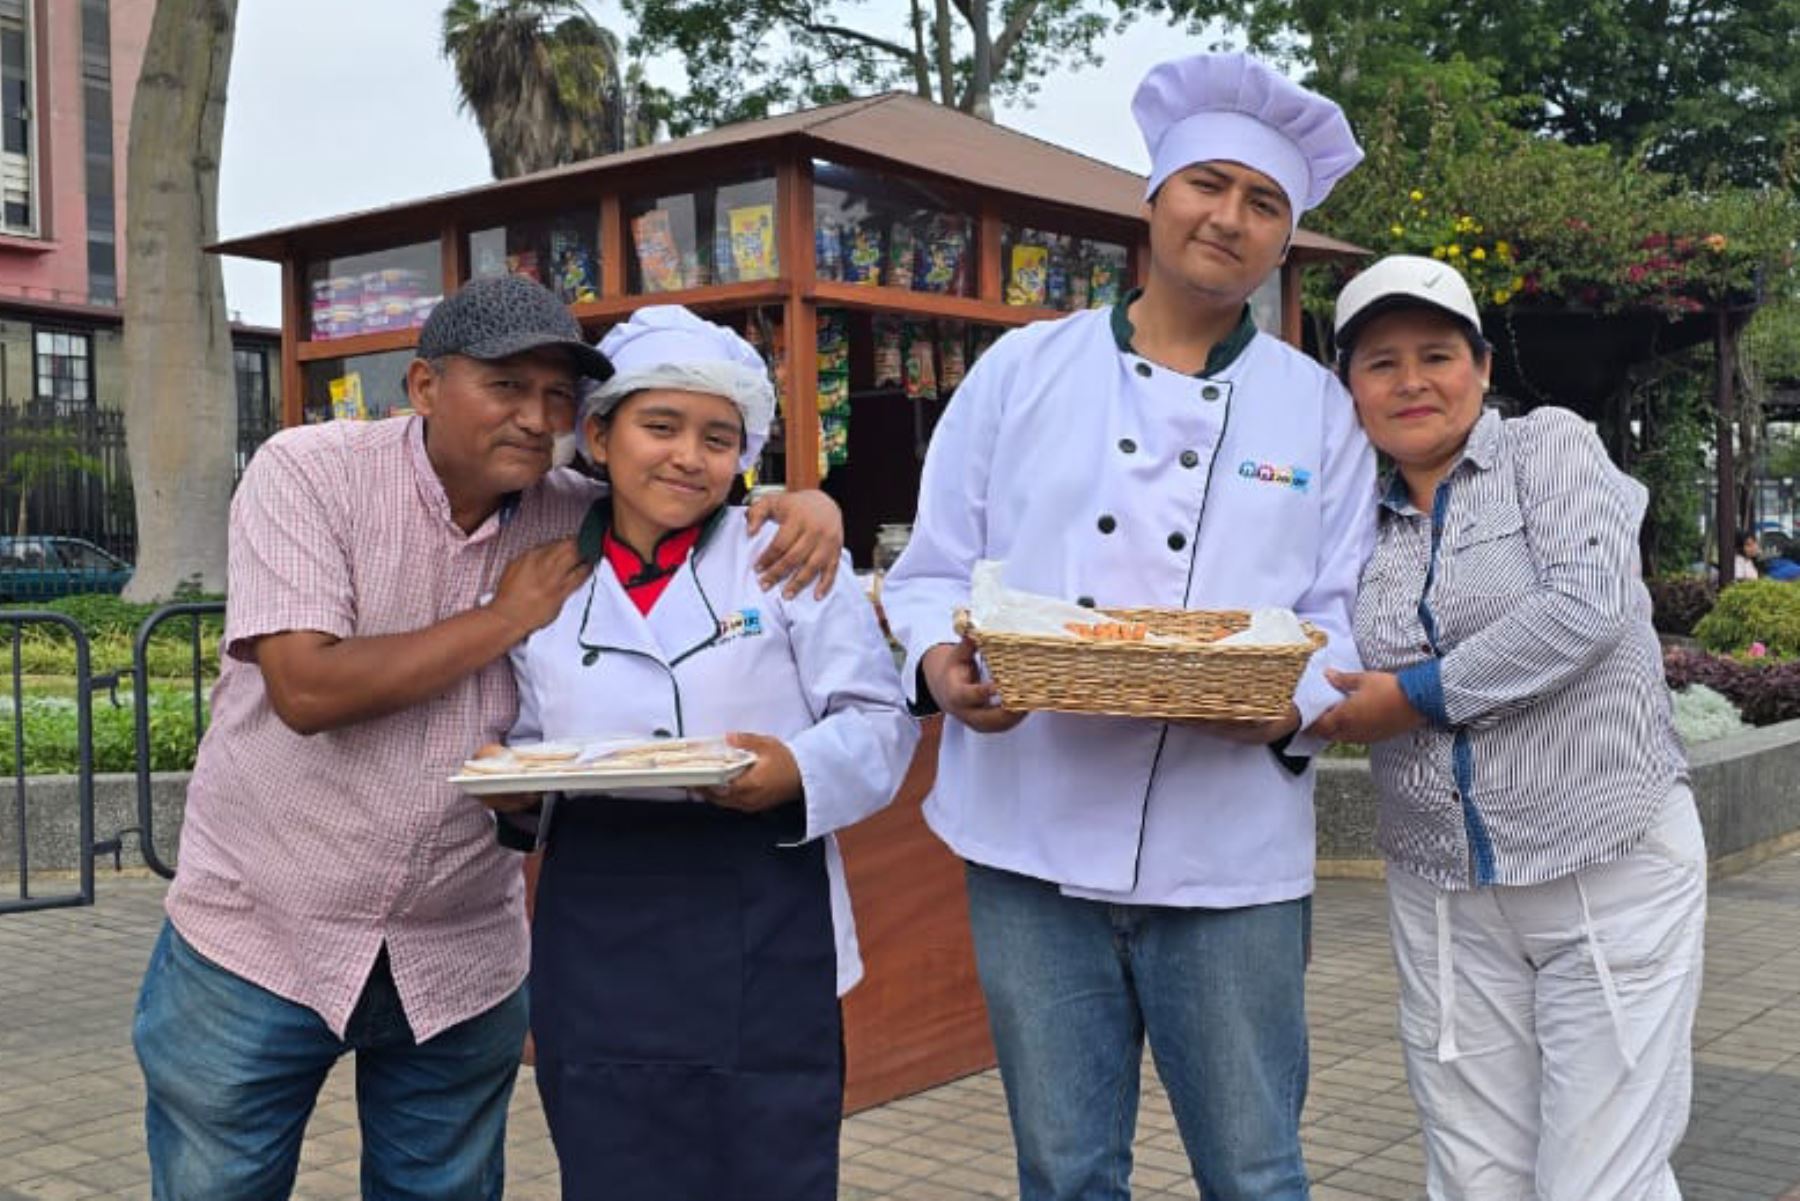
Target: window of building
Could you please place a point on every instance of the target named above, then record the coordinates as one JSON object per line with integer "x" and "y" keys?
{"x": 64, "y": 366}
{"x": 252, "y": 364}
{"x": 97, "y": 124}
{"x": 18, "y": 151}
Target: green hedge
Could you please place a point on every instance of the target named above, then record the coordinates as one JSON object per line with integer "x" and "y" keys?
{"x": 51, "y": 742}
{"x": 1765, "y": 611}
{"x": 112, "y": 625}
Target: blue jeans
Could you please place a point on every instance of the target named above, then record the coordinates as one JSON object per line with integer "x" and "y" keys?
{"x": 231, "y": 1072}
{"x": 1074, "y": 987}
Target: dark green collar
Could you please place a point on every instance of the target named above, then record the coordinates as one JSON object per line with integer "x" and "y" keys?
{"x": 599, "y": 520}
{"x": 1218, "y": 359}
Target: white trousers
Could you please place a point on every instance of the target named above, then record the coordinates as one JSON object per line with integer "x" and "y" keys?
{"x": 1548, "y": 1029}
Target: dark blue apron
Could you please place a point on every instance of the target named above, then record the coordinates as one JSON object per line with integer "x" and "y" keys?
{"x": 684, "y": 1004}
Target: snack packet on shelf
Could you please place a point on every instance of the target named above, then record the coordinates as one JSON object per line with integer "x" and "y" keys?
{"x": 862, "y": 254}
{"x": 941, "y": 261}
{"x": 952, "y": 356}
{"x": 1026, "y": 282}
{"x": 902, "y": 254}
{"x": 921, "y": 366}
{"x": 890, "y": 354}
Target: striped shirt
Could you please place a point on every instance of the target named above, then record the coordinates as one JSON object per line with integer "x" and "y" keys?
{"x": 1517, "y": 620}
{"x": 302, "y": 856}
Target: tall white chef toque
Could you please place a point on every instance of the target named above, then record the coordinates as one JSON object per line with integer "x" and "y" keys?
{"x": 1234, "y": 108}
{"x": 666, "y": 346}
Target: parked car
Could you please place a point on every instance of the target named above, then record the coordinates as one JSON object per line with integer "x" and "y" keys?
{"x": 44, "y": 568}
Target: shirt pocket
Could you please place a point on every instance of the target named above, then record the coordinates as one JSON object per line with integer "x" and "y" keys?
{"x": 1490, "y": 556}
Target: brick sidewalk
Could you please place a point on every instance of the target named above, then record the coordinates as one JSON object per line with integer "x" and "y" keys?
{"x": 70, "y": 1097}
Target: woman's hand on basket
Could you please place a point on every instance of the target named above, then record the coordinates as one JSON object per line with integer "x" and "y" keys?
{"x": 955, "y": 681}
{"x": 1253, "y": 733}
{"x": 1374, "y": 708}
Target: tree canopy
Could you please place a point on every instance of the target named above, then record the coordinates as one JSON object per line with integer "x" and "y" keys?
{"x": 749, "y": 58}
{"x": 1707, "y": 90}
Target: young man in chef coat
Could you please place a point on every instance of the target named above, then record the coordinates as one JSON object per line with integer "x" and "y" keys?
{"x": 1131, "y": 878}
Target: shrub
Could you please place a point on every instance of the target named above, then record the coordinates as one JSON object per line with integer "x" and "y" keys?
{"x": 1765, "y": 611}
{"x": 1765, "y": 693}
{"x": 52, "y": 742}
{"x": 1702, "y": 715}
{"x": 1678, "y": 602}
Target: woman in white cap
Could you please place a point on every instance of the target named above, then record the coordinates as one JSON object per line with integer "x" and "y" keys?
{"x": 1134, "y": 880}
{"x": 1546, "y": 871}
{"x": 687, "y": 958}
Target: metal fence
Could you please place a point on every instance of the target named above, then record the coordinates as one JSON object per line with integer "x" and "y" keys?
{"x": 49, "y": 821}
{"x": 64, "y": 472}
{"x": 15, "y": 623}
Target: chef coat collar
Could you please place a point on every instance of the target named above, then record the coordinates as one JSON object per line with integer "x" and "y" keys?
{"x": 590, "y": 540}
{"x": 1480, "y": 451}
{"x": 1221, "y": 356}
{"x": 666, "y": 557}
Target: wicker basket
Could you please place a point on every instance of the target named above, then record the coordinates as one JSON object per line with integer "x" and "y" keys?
{"x": 1147, "y": 679}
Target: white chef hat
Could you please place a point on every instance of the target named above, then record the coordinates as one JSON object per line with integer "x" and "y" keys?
{"x": 666, "y": 346}
{"x": 1234, "y": 108}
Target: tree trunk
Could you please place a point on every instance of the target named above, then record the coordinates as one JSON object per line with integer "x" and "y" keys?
{"x": 180, "y": 403}
{"x": 946, "y": 57}
{"x": 921, "y": 72}
{"x": 981, "y": 86}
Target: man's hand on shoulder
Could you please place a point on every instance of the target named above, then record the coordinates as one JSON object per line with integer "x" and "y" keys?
{"x": 535, "y": 586}
{"x": 806, "y": 548}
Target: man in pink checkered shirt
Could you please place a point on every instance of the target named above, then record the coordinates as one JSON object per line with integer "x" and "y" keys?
{"x": 334, "y": 894}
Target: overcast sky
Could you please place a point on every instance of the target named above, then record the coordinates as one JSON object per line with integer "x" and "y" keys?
{"x": 339, "y": 105}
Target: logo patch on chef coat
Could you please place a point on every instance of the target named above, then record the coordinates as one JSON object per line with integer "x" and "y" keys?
{"x": 1297, "y": 478}
{"x": 745, "y": 623}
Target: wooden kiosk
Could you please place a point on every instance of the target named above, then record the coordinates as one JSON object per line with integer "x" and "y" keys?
{"x": 871, "y": 249}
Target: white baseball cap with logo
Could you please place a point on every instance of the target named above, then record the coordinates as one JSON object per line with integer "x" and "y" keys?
{"x": 1403, "y": 281}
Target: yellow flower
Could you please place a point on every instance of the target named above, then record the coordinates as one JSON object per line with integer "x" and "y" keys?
{"x": 1518, "y": 281}
{"x": 1714, "y": 242}
{"x": 1415, "y": 196}
{"x": 1397, "y": 230}
{"x": 1455, "y": 250}
{"x": 1503, "y": 248}
{"x": 1502, "y": 296}
{"x": 1478, "y": 254}
{"x": 1437, "y": 252}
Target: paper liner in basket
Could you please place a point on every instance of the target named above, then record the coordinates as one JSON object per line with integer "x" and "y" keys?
{"x": 996, "y": 608}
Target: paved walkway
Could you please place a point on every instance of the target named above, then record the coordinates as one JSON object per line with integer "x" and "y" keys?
{"x": 70, "y": 1095}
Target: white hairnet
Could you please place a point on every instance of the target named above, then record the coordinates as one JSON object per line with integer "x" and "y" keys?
{"x": 666, "y": 346}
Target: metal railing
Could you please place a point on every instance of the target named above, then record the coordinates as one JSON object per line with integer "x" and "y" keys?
{"x": 16, "y": 621}
{"x": 196, "y": 612}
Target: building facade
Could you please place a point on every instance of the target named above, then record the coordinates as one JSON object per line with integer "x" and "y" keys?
{"x": 68, "y": 69}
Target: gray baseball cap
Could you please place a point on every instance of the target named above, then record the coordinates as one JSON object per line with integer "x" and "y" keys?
{"x": 503, "y": 315}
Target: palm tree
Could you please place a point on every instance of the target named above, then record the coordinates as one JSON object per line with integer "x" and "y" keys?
{"x": 541, "y": 78}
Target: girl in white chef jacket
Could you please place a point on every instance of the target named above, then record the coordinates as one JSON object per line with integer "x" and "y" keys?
{"x": 688, "y": 954}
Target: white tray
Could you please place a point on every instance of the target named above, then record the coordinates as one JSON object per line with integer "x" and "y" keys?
{"x": 600, "y": 777}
